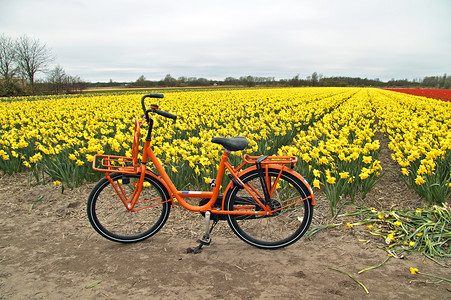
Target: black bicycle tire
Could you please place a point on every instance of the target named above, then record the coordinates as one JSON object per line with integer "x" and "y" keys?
{"x": 106, "y": 233}
{"x": 246, "y": 237}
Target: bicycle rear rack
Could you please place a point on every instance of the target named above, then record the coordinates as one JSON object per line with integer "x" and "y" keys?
{"x": 277, "y": 160}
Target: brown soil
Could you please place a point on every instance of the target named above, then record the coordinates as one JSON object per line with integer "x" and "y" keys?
{"x": 51, "y": 252}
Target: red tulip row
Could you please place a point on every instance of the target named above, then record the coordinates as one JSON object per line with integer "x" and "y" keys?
{"x": 430, "y": 93}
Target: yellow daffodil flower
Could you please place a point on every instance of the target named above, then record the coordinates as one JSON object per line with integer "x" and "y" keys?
{"x": 316, "y": 183}
{"x": 331, "y": 180}
{"x": 344, "y": 175}
{"x": 419, "y": 180}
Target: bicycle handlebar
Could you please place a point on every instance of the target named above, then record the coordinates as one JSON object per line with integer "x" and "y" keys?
{"x": 154, "y": 108}
{"x": 164, "y": 114}
{"x": 149, "y": 96}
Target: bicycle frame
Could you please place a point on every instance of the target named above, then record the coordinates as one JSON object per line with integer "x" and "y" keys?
{"x": 163, "y": 178}
{"x": 213, "y": 195}
{"x": 264, "y": 188}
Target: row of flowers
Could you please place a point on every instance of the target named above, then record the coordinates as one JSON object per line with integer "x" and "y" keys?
{"x": 419, "y": 130}
{"x": 340, "y": 151}
{"x": 59, "y": 136}
{"x": 332, "y": 130}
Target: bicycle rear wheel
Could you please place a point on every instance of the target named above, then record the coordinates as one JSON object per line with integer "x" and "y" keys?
{"x": 111, "y": 219}
{"x": 292, "y": 216}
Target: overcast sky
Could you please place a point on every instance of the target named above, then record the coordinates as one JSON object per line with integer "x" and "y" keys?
{"x": 122, "y": 40}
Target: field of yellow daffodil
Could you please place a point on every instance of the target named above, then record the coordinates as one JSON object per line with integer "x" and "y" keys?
{"x": 332, "y": 131}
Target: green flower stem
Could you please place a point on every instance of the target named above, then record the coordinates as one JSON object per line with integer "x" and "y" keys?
{"x": 350, "y": 276}
{"x": 436, "y": 277}
{"x": 374, "y": 267}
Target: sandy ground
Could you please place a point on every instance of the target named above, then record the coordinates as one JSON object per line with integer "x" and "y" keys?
{"x": 51, "y": 252}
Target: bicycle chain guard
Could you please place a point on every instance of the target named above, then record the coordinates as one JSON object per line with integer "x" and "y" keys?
{"x": 218, "y": 204}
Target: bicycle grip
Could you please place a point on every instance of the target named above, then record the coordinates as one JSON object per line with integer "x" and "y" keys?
{"x": 165, "y": 114}
{"x": 154, "y": 96}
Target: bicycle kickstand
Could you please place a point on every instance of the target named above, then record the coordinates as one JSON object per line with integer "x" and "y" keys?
{"x": 205, "y": 240}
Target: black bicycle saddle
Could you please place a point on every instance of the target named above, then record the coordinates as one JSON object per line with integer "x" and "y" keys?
{"x": 235, "y": 143}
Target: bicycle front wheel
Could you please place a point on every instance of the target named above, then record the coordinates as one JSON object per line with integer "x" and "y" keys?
{"x": 290, "y": 202}
{"x": 109, "y": 216}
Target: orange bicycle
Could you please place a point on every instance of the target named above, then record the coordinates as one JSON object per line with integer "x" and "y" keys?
{"x": 267, "y": 204}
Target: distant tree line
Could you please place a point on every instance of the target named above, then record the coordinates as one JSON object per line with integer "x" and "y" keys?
{"x": 170, "y": 81}
{"x": 315, "y": 79}
{"x": 21, "y": 59}
{"x": 442, "y": 82}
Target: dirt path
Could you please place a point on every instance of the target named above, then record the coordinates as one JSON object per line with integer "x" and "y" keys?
{"x": 51, "y": 252}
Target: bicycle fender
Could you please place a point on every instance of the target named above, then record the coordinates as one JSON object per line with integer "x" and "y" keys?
{"x": 155, "y": 176}
{"x": 277, "y": 167}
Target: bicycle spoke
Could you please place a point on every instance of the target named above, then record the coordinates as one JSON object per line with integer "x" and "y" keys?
{"x": 290, "y": 206}
{"x": 111, "y": 218}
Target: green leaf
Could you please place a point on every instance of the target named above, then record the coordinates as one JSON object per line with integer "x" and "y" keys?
{"x": 36, "y": 201}
{"x": 93, "y": 284}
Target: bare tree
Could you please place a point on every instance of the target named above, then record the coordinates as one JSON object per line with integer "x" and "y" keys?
{"x": 7, "y": 58}
{"x": 58, "y": 82}
{"x": 57, "y": 79}
{"x": 32, "y": 57}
